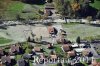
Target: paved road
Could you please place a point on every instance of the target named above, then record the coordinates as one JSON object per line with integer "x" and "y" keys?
{"x": 93, "y": 51}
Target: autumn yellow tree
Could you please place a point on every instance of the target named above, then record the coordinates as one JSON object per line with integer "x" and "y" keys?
{"x": 75, "y": 5}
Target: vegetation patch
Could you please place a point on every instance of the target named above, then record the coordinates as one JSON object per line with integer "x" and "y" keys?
{"x": 98, "y": 60}
{"x": 4, "y": 40}
{"x": 18, "y": 10}
{"x": 96, "y": 4}
{"x": 90, "y": 38}
{"x": 82, "y": 30}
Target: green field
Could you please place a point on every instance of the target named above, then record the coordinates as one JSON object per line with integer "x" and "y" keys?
{"x": 16, "y": 8}
{"x": 82, "y": 30}
{"x": 96, "y": 4}
{"x": 4, "y": 40}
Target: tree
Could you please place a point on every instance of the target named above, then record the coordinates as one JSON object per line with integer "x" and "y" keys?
{"x": 58, "y": 5}
{"x": 63, "y": 7}
{"x": 75, "y": 7}
{"x": 49, "y": 1}
{"x": 34, "y": 1}
{"x": 3, "y": 6}
{"x": 78, "y": 40}
{"x": 98, "y": 15}
{"x": 67, "y": 10}
{"x": 59, "y": 64}
{"x": 85, "y": 9}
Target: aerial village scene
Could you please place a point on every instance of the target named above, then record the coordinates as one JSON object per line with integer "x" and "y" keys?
{"x": 49, "y": 32}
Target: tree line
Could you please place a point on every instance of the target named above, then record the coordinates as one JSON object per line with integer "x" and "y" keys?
{"x": 76, "y": 8}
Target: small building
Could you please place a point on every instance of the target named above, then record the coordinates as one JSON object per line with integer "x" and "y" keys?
{"x": 75, "y": 45}
{"x": 71, "y": 53}
{"x": 82, "y": 45}
{"x": 50, "y": 30}
{"x": 37, "y": 49}
{"x": 49, "y": 8}
{"x": 53, "y": 56}
{"x": 1, "y": 52}
{"x": 79, "y": 50}
{"x": 66, "y": 48}
{"x": 21, "y": 62}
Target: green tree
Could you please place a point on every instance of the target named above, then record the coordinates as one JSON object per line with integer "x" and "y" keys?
{"x": 34, "y": 1}
{"x": 3, "y": 6}
{"x": 67, "y": 10}
{"x": 63, "y": 7}
{"x": 58, "y": 5}
{"x": 98, "y": 15}
{"x": 78, "y": 40}
{"x": 49, "y": 1}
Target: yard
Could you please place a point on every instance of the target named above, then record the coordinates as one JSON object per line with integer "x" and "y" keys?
{"x": 74, "y": 30}
{"x": 96, "y": 4}
{"x": 4, "y": 40}
{"x": 25, "y": 11}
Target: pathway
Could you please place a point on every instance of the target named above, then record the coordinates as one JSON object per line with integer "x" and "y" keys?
{"x": 93, "y": 51}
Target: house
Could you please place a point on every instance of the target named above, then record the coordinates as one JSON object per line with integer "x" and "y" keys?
{"x": 66, "y": 47}
{"x": 42, "y": 58}
{"x": 71, "y": 53}
{"x": 75, "y": 45}
{"x": 52, "y": 53}
{"x": 79, "y": 50}
{"x": 50, "y": 46}
{"x": 1, "y": 52}
{"x": 6, "y": 58}
{"x": 37, "y": 49}
{"x": 51, "y": 30}
{"x": 63, "y": 41}
{"x": 21, "y": 62}
{"x": 82, "y": 45}
{"x": 53, "y": 57}
{"x": 49, "y": 8}
{"x": 12, "y": 49}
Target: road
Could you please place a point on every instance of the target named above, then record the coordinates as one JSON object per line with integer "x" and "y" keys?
{"x": 95, "y": 54}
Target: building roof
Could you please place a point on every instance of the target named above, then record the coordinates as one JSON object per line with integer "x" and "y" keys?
{"x": 42, "y": 56}
{"x": 66, "y": 47}
{"x": 50, "y": 29}
{"x": 81, "y": 45}
{"x": 71, "y": 53}
{"x": 74, "y": 45}
{"x": 6, "y": 59}
{"x": 37, "y": 49}
{"x": 1, "y": 51}
{"x": 79, "y": 49}
{"x": 12, "y": 48}
{"x": 53, "y": 56}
